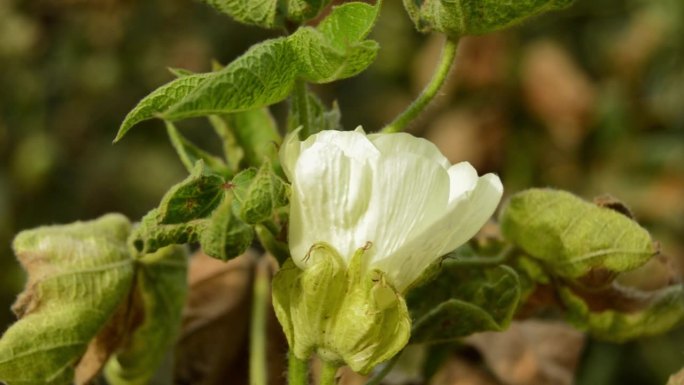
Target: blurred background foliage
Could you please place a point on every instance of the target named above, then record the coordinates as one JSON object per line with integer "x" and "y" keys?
{"x": 590, "y": 100}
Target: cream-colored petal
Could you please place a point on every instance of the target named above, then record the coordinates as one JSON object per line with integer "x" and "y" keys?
{"x": 463, "y": 219}
{"x": 409, "y": 192}
{"x": 354, "y": 144}
{"x": 474, "y": 210}
{"x": 330, "y": 197}
{"x": 463, "y": 177}
{"x": 403, "y": 143}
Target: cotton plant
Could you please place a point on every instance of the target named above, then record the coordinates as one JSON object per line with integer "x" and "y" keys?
{"x": 372, "y": 228}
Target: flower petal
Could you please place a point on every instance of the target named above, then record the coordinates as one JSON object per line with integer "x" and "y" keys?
{"x": 403, "y": 143}
{"x": 329, "y": 198}
{"x": 460, "y": 222}
{"x": 463, "y": 178}
{"x": 409, "y": 193}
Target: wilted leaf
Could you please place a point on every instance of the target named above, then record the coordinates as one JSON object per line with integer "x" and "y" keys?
{"x": 78, "y": 276}
{"x": 462, "y": 300}
{"x": 160, "y": 290}
{"x": 532, "y": 353}
{"x": 658, "y": 312}
{"x": 475, "y": 17}
{"x": 215, "y": 319}
{"x": 150, "y": 234}
{"x": 572, "y": 236}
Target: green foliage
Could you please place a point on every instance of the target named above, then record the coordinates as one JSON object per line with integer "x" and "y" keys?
{"x": 154, "y": 104}
{"x": 78, "y": 275}
{"x": 572, "y": 236}
{"x": 217, "y": 213}
{"x": 84, "y": 295}
{"x": 266, "y": 193}
{"x": 313, "y": 114}
{"x": 194, "y": 198}
{"x": 256, "y": 132}
{"x": 337, "y": 48}
{"x": 475, "y": 17}
{"x": 190, "y": 154}
{"x": 267, "y": 72}
{"x": 269, "y": 13}
{"x": 462, "y": 300}
{"x": 159, "y": 295}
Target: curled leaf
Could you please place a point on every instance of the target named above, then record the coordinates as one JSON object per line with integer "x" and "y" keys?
{"x": 160, "y": 291}
{"x": 78, "y": 276}
{"x": 573, "y": 237}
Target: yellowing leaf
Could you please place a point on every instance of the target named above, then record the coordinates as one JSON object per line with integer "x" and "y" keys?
{"x": 78, "y": 275}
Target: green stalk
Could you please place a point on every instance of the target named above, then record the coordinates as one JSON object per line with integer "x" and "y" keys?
{"x": 258, "y": 369}
{"x": 328, "y": 373}
{"x": 298, "y": 371}
{"x": 430, "y": 90}
{"x": 301, "y": 104}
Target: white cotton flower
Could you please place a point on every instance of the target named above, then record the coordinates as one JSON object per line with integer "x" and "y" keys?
{"x": 393, "y": 192}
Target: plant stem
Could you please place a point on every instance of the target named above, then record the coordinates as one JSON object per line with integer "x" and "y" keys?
{"x": 328, "y": 373}
{"x": 376, "y": 379}
{"x": 258, "y": 369}
{"x": 430, "y": 90}
{"x": 298, "y": 371}
{"x": 301, "y": 106}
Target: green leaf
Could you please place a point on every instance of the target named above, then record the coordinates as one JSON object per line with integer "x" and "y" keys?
{"x": 266, "y": 193}
{"x": 264, "y": 75}
{"x": 257, "y": 134}
{"x": 318, "y": 117}
{"x": 571, "y": 236}
{"x": 224, "y": 235}
{"x": 337, "y": 49}
{"x": 463, "y": 300}
{"x": 160, "y": 100}
{"x": 475, "y": 17}
{"x": 78, "y": 276}
{"x": 232, "y": 151}
{"x": 269, "y": 13}
{"x": 664, "y": 310}
{"x": 194, "y": 198}
{"x": 190, "y": 154}
{"x": 151, "y": 235}
{"x": 160, "y": 292}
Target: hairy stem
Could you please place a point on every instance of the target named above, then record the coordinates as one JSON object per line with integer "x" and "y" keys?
{"x": 258, "y": 368}
{"x": 328, "y": 373}
{"x": 298, "y": 371}
{"x": 430, "y": 90}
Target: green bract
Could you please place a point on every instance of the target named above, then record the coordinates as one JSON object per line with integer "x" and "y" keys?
{"x": 475, "y": 17}
{"x": 572, "y": 236}
{"x": 346, "y": 315}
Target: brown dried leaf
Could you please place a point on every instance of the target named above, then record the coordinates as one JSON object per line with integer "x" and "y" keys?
{"x": 215, "y": 319}
{"x": 458, "y": 371}
{"x": 532, "y": 353}
{"x": 677, "y": 378}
